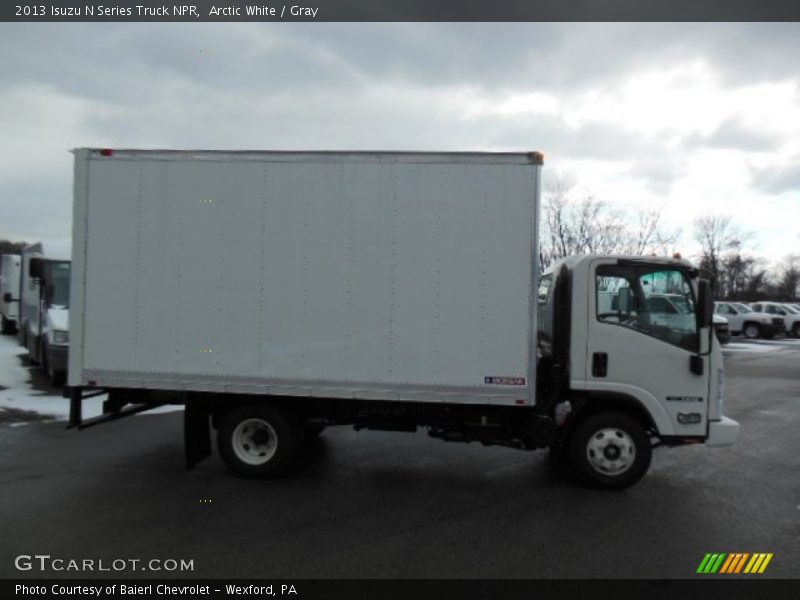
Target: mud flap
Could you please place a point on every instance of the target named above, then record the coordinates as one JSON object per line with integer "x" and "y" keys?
{"x": 196, "y": 432}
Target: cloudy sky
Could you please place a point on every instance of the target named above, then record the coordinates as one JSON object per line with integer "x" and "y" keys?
{"x": 694, "y": 118}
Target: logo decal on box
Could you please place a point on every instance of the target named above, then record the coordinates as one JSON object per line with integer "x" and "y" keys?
{"x": 504, "y": 380}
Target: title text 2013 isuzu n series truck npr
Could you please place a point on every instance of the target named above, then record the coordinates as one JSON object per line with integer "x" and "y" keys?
{"x": 276, "y": 293}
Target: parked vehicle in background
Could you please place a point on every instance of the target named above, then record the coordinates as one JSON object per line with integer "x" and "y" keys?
{"x": 9, "y": 292}
{"x": 790, "y": 316}
{"x": 44, "y": 311}
{"x": 722, "y": 329}
{"x": 744, "y": 320}
{"x": 674, "y": 310}
{"x": 793, "y": 309}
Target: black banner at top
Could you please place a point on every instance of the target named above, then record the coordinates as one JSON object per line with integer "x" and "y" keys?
{"x": 402, "y": 10}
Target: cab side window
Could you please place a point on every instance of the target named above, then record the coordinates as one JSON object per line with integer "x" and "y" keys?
{"x": 658, "y": 303}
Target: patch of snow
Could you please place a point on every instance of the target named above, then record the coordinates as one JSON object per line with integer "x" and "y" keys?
{"x": 741, "y": 347}
{"x": 19, "y": 393}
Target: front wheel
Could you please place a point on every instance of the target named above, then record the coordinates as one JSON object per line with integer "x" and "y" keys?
{"x": 752, "y": 331}
{"x": 610, "y": 450}
{"x": 257, "y": 441}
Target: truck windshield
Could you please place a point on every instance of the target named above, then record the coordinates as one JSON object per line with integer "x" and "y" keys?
{"x": 742, "y": 308}
{"x": 789, "y": 309}
{"x": 60, "y": 280}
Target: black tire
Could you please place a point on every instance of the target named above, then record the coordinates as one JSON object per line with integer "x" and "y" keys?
{"x": 56, "y": 377}
{"x": 619, "y": 436}
{"x": 7, "y": 327}
{"x": 257, "y": 441}
{"x": 796, "y": 330}
{"x": 751, "y": 331}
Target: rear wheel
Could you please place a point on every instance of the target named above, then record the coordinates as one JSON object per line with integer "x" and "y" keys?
{"x": 796, "y": 330}
{"x": 610, "y": 450}
{"x": 752, "y": 331}
{"x": 257, "y": 441}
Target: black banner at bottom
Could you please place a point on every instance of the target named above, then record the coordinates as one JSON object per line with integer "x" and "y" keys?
{"x": 351, "y": 589}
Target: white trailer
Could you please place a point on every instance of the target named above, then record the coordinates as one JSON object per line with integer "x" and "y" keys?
{"x": 276, "y": 293}
{"x": 9, "y": 291}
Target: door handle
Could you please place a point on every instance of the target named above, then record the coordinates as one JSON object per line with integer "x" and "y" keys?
{"x": 599, "y": 364}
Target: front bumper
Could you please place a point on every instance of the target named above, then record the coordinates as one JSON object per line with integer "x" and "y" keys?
{"x": 723, "y": 432}
{"x": 58, "y": 358}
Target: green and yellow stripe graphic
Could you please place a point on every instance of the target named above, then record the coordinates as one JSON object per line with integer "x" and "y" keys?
{"x": 734, "y": 562}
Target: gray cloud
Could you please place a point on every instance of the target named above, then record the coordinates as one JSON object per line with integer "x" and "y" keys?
{"x": 734, "y": 134}
{"x": 777, "y": 179}
{"x": 659, "y": 174}
{"x": 353, "y": 86}
{"x": 125, "y": 62}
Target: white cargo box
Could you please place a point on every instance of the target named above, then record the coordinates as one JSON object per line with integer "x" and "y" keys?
{"x": 331, "y": 274}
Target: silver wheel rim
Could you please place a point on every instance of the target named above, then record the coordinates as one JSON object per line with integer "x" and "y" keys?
{"x": 254, "y": 441}
{"x": 751, "y": 331}
{"x": 611, "y": 451}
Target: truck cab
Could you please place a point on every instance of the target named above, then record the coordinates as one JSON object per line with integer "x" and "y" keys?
{"x": 628, "y": 353}
{"x": 44, "y": 329}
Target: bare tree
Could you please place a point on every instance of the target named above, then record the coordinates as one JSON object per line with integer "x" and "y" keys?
{"x": 788, "y": 284}
{"x": 9, "y": 247}
{"x": 650, "y": 236}
{"x": 591, "y": 226}
{"x": 716, "y": 235}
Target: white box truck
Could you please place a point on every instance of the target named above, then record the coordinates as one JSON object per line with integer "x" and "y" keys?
{"x": 44, "y": 311}
{"x": 277, "y": 293}
{"x": 9, "y": 292}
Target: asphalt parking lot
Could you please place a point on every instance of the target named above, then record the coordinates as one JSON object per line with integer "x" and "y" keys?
{"x": 385, "y": 505}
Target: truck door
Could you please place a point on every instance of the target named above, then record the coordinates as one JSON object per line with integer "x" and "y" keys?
{"x": 642, "y": 344}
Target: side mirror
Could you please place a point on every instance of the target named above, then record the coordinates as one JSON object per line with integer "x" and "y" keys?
{"x": 705, "y": 303}
{"x": 7, "y": 297}
{"x": 35, "y": 268}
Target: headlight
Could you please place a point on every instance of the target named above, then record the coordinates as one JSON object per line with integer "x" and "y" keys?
{"x": 61, "y": 337}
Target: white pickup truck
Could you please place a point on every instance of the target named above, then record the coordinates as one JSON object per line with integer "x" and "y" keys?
{"x": 790, "y": 315}
{"x": 749, "y": 322}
